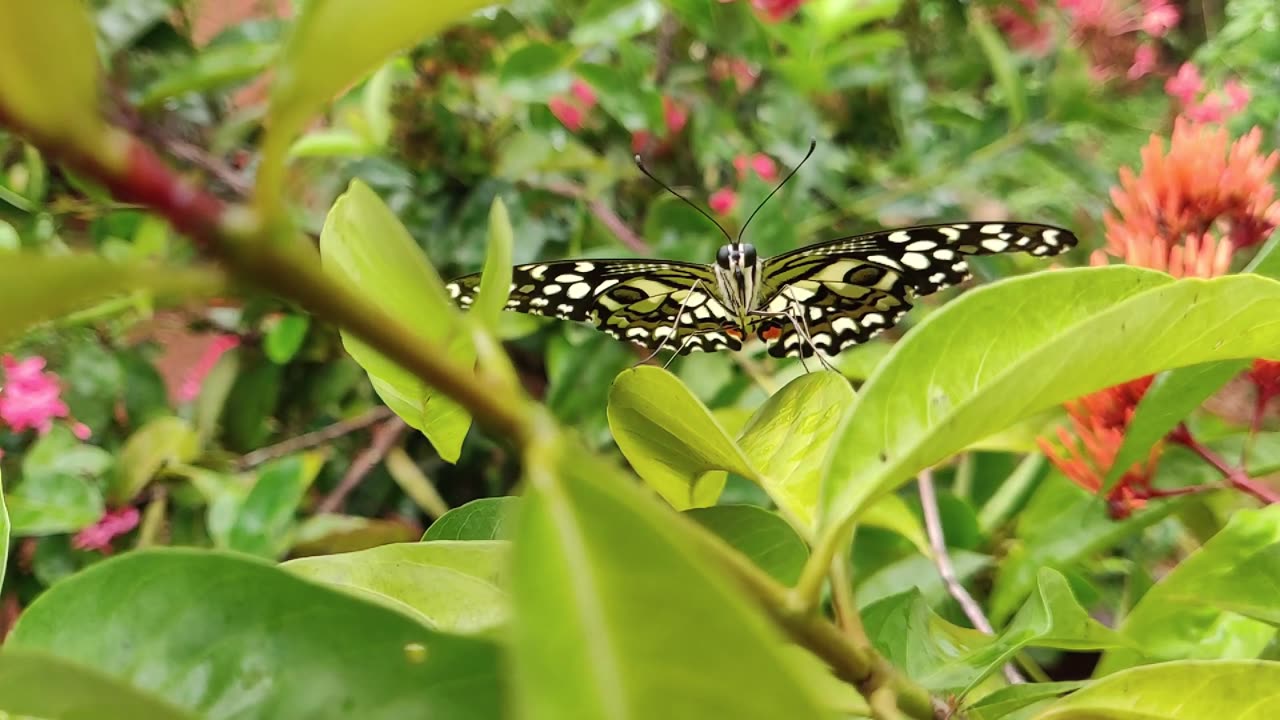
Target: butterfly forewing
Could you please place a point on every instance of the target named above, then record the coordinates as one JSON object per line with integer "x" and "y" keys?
{"x": 630, "y": 300}
{"x": 931, "y": 257}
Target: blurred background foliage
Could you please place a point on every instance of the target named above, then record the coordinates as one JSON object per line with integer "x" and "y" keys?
{"x": 246, "y": 426}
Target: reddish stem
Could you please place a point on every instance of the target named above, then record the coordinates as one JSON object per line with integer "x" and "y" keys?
{"x": 1235, "y": 477}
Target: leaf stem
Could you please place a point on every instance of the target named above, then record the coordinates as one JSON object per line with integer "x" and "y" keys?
{"x": 1236, "y": 477}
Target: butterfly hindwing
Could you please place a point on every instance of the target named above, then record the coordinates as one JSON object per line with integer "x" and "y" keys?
{"x": 844, "y": 303}
{"x": 932, "y": 257}
{"x": 633, "y": 300}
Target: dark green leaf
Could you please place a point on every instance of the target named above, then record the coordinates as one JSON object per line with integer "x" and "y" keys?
{"x": 759, "y": 534}
{"x": 38, "y": 684}
{"x": 483, "y": 519}
{"x": 285, "y": 338}
{"x": 161, "y": 442}
{"x": 264, "y": 522}
{"x": 1015, "y": 697}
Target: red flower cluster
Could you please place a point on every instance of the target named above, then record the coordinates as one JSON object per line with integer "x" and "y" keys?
{"x": 1099, "y": 422}
{"x": 774, "y": 10}
{"x": 111, "y": 525}
{"x": 30, "y": 398}
{"x": 1187, "y": 87}
{"x": 724, "y": 200}
{"x": 675, "y": 116}
{"x": 1115, "y": 34}
{"x": 572, "y": 109}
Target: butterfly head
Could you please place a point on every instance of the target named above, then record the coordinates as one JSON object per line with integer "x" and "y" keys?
{"x": 736, "y": 257}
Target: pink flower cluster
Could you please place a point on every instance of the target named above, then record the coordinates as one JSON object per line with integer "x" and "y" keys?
{"x": 774, "y": 10}
{"x": 111, "y": 525}
{"x": 724, "y": 200}
{"x": 194, "y": 380}
{"x": 1188, "y": 88}
{"x": 572, "y": 109}
{"x": 1115, "y": 34}
{"x": 675, "y": 116}
{"x": 30, "y": 398}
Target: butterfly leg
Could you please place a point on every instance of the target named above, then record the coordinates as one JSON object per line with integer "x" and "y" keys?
{"x": 795, "y": 315}
{"x": 675, "y": 327}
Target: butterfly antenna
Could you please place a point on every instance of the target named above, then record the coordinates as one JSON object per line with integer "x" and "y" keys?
{"x": 690, "y": 203}
{"x": 813, "y": 143}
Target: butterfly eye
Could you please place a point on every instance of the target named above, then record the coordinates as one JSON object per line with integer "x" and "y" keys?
{"x": 748, "y": 255}
{"x": 722, "y": 257}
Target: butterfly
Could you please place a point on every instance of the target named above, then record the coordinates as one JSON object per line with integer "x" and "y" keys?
{"x": 820, "y": 299}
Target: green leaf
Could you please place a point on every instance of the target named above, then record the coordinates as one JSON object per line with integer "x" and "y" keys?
{"x": 364, "y": 245}
{"x": 251, "y": 402}
{"x": 449, "y": 585}
{"x": 787, "y": 439}
{"x": 210, "y": 69}
{"x": 311, "y": 72}
{"x": 1267, "y": 261}
{"x": 1173, "y": 396}
{"x": 1186, "y": 690}
{"x": 1215, "y": 603}
{"x": 893, "y": 514}
{"x": 187, "y": 626}
{"x": 630, "y": 101}
{"x": 919, "y": 573}
{"x": 1007, "y": 700}
{"x": 762, "y": 536}
{"x": 731, "y": 27}
{"x": 614, "y": 21}
{"x": 36, "y": 289}
{"x": 38, "y": 684}
{"x": 285, "y": 337}
{"x": 162, "y": 441}
{"x": 264, "y": 523}
{"x": 1002, "y": 65}
{"x": 594, "y": 557}
{"x": 945, "y": 657}
{"x": 49, "y": 79}
{"x": 1061, "y": 524}
{"x": 59, "y": 491}
{"x": 536, "y": 71}
{"x": 945, "y": 385}
{"x": 491, "y": 299}
{"x": 670, "y": 438}
{"x": 483, "y": 519}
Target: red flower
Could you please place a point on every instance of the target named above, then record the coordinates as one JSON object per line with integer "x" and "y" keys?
{"x": 1204, "y": 180}
{"x": 112, "y": 524}
{"x": 567, "y": 113}
{"x": 1160, "y": 17}
{"x": 583, "y": 92}
{"x": 1099, "y": 421}
{"x": 30, "y": 397}
{"x": 723, "y": 201}
{"x": 777, "y": 10}
{"x": 1023, "y": 25}
{"x": 675, "y": 115}
{"x": 765, "y": 167}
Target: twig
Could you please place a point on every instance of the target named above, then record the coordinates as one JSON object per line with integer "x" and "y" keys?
{"x": 384, "y": 438}
{"x": 1235, "y": 476}
{"x": 938, "y": 543}
{"x": 317, "y": 437}
{"x": 667, "y": 30}
{"x": 602, "y": 211}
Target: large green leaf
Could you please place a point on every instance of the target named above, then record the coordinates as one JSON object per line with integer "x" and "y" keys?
{"x": 1216, "y": 603}
{"x": 1049, "y": 337}
{"x": 312, "y": 71}
{"x": 483, "y": 519}
{"x": 942, "y": 656}
{"x": 35, "y": 288}
{"x": 1186, "y": 690}
{"x": 264, "y": 521}
{"x": 618, "y": 614}
{"x": 491, "y": 299}
{"x": 763, "y": 536}
{"x": 1009, "y": 699}
{"x": 366, "y": 246}
{"x": 37, "y": 684}
{"x": 1171, "y": 398}
{"x": 231, "y": 637}
{"x": 670, "y": 438}
{"x": 4, "y": 533}
{"x": 59, "y": 491}
{"x": 453, "y": 586}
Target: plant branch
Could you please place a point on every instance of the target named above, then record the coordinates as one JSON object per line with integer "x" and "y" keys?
{"x": 384, "y": 439}
{"x": 1236, "y": 477}
{"x": 314, "y": 438}
{"x": 938, "y": 543}
{"x": 860, "y": 666}
{"x": 602, "y": 212}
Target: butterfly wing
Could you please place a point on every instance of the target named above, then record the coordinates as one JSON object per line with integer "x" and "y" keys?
{"x": 634, "y": 300}
{"x": 931, "y": 257}
{"x": 834, "y": 302}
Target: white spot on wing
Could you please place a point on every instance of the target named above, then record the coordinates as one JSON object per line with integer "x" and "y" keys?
{"x": 551, "y": 289}
{"x": 605, "y": 285}
{"x": 568, "y": 278}
{"x": 584, "y": 266}
{"x": 995, "y": 245}
{"x": 991, "y": 229}
{"x": 900, "y": 236}
{"x": 886, "y": 261}
{"x": 919, "y": 245}
{"x": 579, "y": 290}
{"x": 537, "y": 271}
{"x": 916, "y": 261}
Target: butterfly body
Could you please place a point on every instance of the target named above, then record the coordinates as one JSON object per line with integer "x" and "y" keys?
{"x": 820, "y": 298}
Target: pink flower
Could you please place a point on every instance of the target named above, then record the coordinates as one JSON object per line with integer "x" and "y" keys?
{"x": 112, "y": 524}
{"x": 765, "y": 167}
{"x": 723, "y": 201}
{"x": 1186, "y": 85}
{"x": 1209, "y": 110}
{"x": 583, "y": 92}
{"x": 1159, "y": 18}
{"x": 675, "y": 115}
{"x": 194, "y": 380}
{"x": 1024, "y": 27}
{"x": 1237, "y": 96}
{"x": 777, "y": 10}
{"x": 640, "y": 141}
{"x": 1144, "y": 61}
{"x": 30, "y": 397}
{"x": 566, "y": 112}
